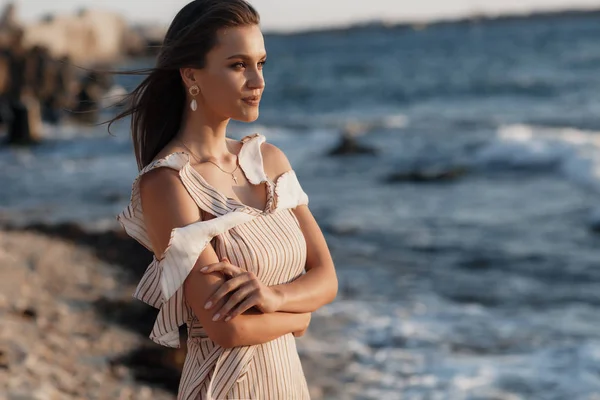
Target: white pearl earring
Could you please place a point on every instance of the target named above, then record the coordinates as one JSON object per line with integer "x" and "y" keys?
{"x": 194, "y": 90}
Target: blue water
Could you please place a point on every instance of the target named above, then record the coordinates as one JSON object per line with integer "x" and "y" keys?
{"x": 486, "y": 287}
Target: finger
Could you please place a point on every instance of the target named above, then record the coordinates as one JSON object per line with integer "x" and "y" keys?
{"x": 231, "y": 269}
{"x": 235, "y": 299}
{"x": 225, "y": 288}
{"x": 218, "y": 266}
{"x": 243, "y": 307}
{"x": 225, "y": 267}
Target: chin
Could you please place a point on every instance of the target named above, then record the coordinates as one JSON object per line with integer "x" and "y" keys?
{"x": 247, "y": 117}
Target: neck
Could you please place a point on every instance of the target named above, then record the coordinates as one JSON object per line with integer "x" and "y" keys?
{"x": 205, "y": 137}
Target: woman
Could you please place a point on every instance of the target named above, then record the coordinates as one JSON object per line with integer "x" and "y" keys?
{"x": 247, "y": 295}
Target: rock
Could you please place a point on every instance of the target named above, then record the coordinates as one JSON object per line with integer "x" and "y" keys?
{"x": 127, "y": 394}
{"x": 25, "y": 126}
{"x": 31, "y": 86}
{"x": 594, "y": 221}
{"x": 90, "y": 96}
{"x": 66, "y": 352}
{"x": 12, "y": 355}
{"x": 348, "y": 144}
{"x": 9, "y": 19}
{"x": 29, "y": 313}
{"x": 429, "y": 166}
{"x": 90, "y": 36}
{"x": 37, "y": 81}
{"x": 428, "y": 175}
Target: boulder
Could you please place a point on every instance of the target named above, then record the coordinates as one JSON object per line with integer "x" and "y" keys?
{"x": 428, "y": 175}
{"x": 90, "y": 36}
{"x": 348, "y": 143}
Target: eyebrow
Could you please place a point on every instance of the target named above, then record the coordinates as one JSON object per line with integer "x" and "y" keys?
{"x": 244, "y": 56}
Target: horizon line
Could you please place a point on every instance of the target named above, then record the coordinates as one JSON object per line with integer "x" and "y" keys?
{"x": 392, "y": 23}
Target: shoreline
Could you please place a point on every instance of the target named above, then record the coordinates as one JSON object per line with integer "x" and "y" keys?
{"x": 73, "y": 329}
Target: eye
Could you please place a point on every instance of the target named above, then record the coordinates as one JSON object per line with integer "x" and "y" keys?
{"x": 241, "y": 64}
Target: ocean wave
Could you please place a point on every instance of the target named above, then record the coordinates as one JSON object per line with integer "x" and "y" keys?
{"x": 574, "y": 153}
{"x": 431, "y": 348}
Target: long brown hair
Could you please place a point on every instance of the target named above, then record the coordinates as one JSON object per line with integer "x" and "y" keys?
{"x": 156, "y": 106}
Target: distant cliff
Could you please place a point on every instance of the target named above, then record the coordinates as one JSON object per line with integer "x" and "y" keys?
{"x": 89, "y": 36}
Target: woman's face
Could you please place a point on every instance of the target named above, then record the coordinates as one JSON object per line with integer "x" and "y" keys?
{"x": 231, "y": 83}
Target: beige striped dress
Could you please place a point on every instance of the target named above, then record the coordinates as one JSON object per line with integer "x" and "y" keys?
{"x": 267, "y": 242}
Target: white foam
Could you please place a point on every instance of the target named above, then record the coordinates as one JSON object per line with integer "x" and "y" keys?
{"x": 113, "y": 96}
{"x": 439, "y": 352}
{"x": 572, "y": 152}
{"x": 395, "y": 121}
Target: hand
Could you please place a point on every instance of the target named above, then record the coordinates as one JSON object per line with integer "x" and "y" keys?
{"x": 303, "y": 331}
{"x": 246, "y": 292}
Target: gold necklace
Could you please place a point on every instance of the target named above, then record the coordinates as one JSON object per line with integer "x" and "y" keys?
{"x": 198, "y": 159}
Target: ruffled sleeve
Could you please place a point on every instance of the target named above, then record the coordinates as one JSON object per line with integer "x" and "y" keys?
{"x": 161, "y": 284}
{"x": 289, "y": 191}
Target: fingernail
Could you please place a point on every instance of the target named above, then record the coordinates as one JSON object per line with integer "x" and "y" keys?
{"x": 216, "y": 317}
{"x": 227, "y": 319}
{"x": 207, "y": 305}
{"x": 204, "y": 269}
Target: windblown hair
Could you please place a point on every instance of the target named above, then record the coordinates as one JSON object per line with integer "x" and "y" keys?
{"x": 156, "y": 106}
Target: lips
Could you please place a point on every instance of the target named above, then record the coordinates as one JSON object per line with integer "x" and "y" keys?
{"x": 252, "y": 100}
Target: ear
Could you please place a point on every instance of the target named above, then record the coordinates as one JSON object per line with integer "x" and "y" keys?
{"x": 188, "y": 76}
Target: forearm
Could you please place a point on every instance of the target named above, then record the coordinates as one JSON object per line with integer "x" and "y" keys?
{"x": 253, "y": 327}
{"x": 309, "y": 292}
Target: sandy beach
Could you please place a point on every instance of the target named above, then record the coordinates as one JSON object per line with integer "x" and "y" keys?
{"x": 61, "y": 338}
{"x": 71, "y": 329}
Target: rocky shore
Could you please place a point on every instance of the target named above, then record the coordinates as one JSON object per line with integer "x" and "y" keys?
{"x": 61, "y": 338}
{"x": 86, "y": 37}
{"x": 71, "y": 329}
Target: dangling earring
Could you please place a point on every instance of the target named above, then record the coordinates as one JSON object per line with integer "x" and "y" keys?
{"x": 194, "y": 90}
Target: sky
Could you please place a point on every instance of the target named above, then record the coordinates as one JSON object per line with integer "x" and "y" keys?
{"x": 286, "y": 15}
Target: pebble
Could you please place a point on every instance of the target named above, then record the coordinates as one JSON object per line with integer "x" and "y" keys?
{"x": 52, "y": 345}
{"x": 55, "y": 344}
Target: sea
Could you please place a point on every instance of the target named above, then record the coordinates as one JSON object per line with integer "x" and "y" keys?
{"x": 482, "y": 285}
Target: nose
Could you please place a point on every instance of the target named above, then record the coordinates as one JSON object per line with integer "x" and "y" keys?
{"x": 256, "y": 80}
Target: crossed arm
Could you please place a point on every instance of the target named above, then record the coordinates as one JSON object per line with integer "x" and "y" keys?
{"x": 307, "y": 293}
{"x": 317, "y": 287}
{"x": 167, "y": 205}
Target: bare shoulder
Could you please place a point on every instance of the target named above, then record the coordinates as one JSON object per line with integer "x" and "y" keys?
{"x": 166, "y": 204}
{"x": 159, "y": 180}
{"x": 274, "y": 160}
{"x": 162, "y": 189}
